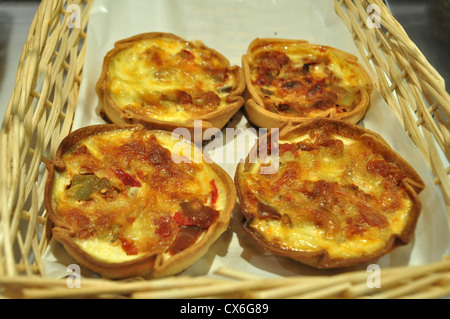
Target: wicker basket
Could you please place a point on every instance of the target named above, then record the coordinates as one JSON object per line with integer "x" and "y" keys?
{"x": 41, "y": 112}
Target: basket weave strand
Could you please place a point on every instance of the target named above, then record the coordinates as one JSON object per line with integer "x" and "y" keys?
{"x": 38, "y": 116}
{"x": 430, "y": 281}
{"x": 407, "y": 81}
{"x": 41, "y": 111}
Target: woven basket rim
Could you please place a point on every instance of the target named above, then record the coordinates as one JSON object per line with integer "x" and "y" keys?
{"x": 431, "y": 108}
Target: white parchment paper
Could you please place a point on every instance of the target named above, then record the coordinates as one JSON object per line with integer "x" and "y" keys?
{"x": 229, "y": 26}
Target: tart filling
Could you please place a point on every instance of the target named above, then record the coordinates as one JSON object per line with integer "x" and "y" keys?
{"x": 340, "y": 196}
{"x": 295, "y": 80}
{"x": 159, "y": 77}
{"x": 120, "y": 195}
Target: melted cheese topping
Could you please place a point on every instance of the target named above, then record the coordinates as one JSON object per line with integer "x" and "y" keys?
{"x": 124, "y": 194}
{"x": 330, "y": 193}
{"x": 167, "y": 79}
{"x": 300, "y": 79}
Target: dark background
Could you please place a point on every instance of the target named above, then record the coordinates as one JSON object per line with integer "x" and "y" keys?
{"x": 427, "y": 23}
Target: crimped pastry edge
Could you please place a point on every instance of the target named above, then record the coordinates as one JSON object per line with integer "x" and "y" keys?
{"x": 413, "y": 185}
{"x": 216, "y": 119}
{"x": 150, "y": 265}
{"x": 259, "y": 116}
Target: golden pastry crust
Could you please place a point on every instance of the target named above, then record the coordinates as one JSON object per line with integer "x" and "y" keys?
{"x": 164, "y": 82}
{"x": 126, "y": 201}
{"x": 293, "y": 80}
{"x": 340, "y": 197}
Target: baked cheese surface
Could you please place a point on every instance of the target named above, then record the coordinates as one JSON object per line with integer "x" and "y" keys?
{"x": 124, "y": 194}
{"x": 299, "y": 79}
{"x": 165, "y": 78}
{"x": 331, "y": 193}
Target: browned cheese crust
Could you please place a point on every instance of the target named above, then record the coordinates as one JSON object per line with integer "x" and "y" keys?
{"x": 164, "y": 82}
{"x": 122, "y": 206}
{"x": 293, "y": 80}
{"x": 340, "y": 197}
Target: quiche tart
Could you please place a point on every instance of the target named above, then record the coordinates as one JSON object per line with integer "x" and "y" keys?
{"x": 340, "y": 196}
{"x": 127, "y": 201}
{"x": 294, "y": 80}
{"x": 164, "y": 82}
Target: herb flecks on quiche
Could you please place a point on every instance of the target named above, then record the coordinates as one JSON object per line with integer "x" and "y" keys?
{"x": 163, "y": 81}
{"x": 340, "y": 197}
{"x": 293, "y": 80}
{"x": 123, "y": 204}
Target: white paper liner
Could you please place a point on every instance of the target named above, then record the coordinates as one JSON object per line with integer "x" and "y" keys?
{"x": 229, "y": 26}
